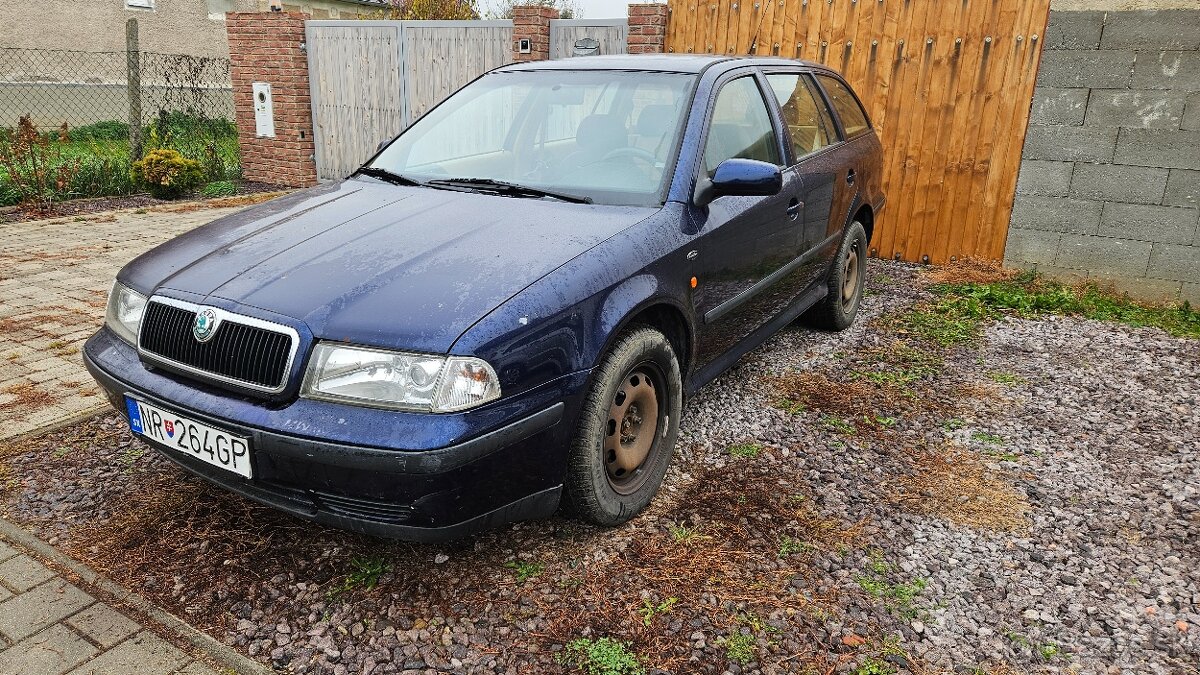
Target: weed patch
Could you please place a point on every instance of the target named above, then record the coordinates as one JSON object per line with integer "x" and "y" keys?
{"x": 1030, "y": 295}
{"x": 602, "y": 656}
{"x": 525, "y": 570}
{"x": 898, "y": 597}
{"x": 649, "y": 610}
{"x": 364, "y": 575}
{"x": 740, "y": 647}
{"x": 750, "y": 450}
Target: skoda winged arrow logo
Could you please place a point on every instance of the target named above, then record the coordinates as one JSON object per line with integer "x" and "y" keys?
{"x": 205, "y": 325}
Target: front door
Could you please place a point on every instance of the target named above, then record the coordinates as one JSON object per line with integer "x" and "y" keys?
{"x": 745, "y": 242}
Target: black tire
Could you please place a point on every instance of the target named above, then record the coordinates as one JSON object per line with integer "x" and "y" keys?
{"x": 640, "y": 371}
{"x": 837, "y": 310}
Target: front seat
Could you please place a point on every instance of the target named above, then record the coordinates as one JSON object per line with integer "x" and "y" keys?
{"x": 596, "y": 136}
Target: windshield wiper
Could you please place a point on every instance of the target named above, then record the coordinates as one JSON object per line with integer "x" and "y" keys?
{"x": 507, "y": 189}
{"x": 385, "y": 175}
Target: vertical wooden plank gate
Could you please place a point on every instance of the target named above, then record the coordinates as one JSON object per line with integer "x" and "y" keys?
{"x": 611, "y": 34}
{"x": 948, "y": 86}
{"x": 368, "y": 80}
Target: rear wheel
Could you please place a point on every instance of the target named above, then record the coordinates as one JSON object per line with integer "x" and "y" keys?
{"x": 845, "y": 281}
{"x": 627, "y": 430}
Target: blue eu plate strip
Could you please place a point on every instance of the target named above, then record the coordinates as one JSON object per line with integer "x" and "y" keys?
{"x": 135, "y": 416}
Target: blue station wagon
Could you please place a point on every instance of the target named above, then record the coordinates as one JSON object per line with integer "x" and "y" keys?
{"x": 500, "y": 313}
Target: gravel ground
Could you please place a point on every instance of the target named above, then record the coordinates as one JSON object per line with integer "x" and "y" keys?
{"x": 868, "y": 501}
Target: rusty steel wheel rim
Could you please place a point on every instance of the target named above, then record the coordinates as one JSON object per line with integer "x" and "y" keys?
{"x": 632, "y": 428}
{"x": 850, "y": 276}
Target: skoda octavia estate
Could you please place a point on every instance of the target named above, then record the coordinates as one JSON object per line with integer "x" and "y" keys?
{"x": 500, "y": 313}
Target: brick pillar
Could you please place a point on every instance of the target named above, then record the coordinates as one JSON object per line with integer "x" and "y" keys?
{"x": 647, "y": 28}
{"x": 265, "y": 47}
{"x": 532, "y": 22}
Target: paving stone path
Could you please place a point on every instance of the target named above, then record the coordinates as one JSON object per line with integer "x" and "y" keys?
{"x": 50, "y": 626}
{"x": 54, "y": 281}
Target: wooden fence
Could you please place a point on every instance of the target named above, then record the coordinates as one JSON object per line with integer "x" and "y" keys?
{"x": 948, "y": 84}
{"x": 610, "y": 33}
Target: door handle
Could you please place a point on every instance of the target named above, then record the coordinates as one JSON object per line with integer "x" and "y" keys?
{"x": 850, "y": 177}
{"x": 793, "y": 208}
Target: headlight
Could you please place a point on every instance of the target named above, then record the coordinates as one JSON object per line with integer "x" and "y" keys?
{"x": 124, "y": 313}
{"x": 400, "y": 381}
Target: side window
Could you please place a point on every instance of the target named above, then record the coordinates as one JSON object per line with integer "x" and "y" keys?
{"x": 852, "y": 115}
{"x": 808, "y": 123}
{"x": 740, "y": 126}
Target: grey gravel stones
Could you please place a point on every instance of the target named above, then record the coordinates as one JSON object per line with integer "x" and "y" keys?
{"x": 1093, "y": 427}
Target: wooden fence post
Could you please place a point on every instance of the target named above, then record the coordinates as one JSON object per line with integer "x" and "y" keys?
{"x": 133, "y": 88}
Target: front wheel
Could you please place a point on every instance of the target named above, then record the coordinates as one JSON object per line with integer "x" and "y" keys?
{"x": 845, "y": 281}
{"x": 627, "y": 430}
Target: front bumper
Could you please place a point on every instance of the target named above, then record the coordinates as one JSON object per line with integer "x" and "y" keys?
{"x": 420, "y": 477}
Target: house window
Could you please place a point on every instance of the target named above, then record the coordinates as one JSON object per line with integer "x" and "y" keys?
{"x": 139, "y": 4}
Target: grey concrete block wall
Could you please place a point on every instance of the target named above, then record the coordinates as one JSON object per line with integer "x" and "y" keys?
{"x": 1110, "y": 174}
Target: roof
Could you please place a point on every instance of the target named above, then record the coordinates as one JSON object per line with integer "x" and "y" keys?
{"x": 667, "y": 63}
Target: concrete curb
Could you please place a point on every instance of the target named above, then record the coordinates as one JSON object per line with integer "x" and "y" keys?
{"x": 215, "y": 650}
{"x": 56, "y": 424}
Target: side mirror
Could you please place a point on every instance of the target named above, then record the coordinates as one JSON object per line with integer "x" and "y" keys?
{"x": 382, "y": 144}
{"x": 739, "y": 177}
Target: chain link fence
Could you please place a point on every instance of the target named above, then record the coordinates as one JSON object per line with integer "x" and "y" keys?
{"x": 116, "y": 105}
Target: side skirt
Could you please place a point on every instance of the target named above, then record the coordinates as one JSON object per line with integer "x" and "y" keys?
{"x": 814, "y": 294}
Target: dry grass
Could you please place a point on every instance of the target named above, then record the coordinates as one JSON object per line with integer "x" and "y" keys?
{"x": 729, "y": 569}
{"x": 223, "y": 202}
{"x": 67, "y": 257}
{"x": 171, "y": 512}
{"x": 866, "y": 403}
{"x": 27, "y": 396}
{"x": 969, "y": 271}
{"x": 956, "y": 485}
{"x": 55, "y": 315}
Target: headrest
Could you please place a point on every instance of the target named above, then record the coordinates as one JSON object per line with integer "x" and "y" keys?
{"x": 655, "y": 120}
{"x": 601, "y": 133}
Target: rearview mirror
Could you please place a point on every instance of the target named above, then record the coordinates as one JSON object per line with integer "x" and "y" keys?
{"x": 739, "y": 177}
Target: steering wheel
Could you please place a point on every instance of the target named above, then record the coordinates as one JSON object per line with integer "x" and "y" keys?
{"x": 631, "y": 152}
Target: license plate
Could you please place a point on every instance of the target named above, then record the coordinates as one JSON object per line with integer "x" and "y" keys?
{"x": 178, "y": 432}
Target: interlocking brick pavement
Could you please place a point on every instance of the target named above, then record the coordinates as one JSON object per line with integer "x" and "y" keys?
{"x": 54, "y": 281}
{"x": 50, "y": 626}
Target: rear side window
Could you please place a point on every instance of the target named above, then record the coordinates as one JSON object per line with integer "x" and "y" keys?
{"x": 740, "y": 126}
{"x": 808, "y": 122}
{"x": 854, "y": 119}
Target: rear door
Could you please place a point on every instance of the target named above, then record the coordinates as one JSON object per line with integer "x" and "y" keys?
{"x": 849, "y": 159}
{"x": 812, "y": 137}
{"x": 745, "y": 242}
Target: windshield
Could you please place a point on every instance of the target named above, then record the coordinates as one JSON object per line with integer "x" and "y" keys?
{"x": 604, "y": 136}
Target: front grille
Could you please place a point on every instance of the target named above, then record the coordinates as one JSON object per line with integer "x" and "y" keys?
{"x": 242, "y": 351}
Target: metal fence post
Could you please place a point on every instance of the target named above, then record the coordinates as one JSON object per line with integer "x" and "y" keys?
{"x": 133, "y": 87}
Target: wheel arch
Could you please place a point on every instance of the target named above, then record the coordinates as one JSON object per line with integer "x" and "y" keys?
{"x": 865, "y": 215}
{"x": 641, "y": 301}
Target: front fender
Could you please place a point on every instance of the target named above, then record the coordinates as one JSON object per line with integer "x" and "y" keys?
{"x": 562, "y": 323}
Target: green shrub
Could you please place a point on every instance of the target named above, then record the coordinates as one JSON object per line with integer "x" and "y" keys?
{"x": 166, "y": 173}
{"x": 220, "y": 188}
{"x": 104, "y": 170}
{"x": 108, "y": 130}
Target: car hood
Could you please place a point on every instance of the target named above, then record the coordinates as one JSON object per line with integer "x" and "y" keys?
{"x": 377, "y": 264}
